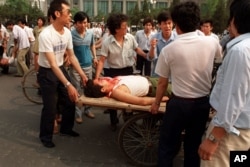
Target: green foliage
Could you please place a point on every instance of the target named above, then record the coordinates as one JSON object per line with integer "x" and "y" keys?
{"x": 175, "y": 2}
{"x": 18, "y": 9}
{"x": 220, "y": 17}
{"x": 208, "y": 8}
{"x": 134, "y": 15}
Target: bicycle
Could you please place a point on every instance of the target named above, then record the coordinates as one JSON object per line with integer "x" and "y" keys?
{"x": 31, "y": 88}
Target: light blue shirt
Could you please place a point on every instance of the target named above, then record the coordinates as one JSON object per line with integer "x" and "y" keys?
{"x": 162, "y": 42}
{"x": 143, "y": 40}
{"x": 231, "y": 94}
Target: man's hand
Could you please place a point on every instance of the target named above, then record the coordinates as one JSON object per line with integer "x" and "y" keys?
{"x": 207, "y": 149}
{"x": 84, "y": 80}
{"x": 95, "y": 62}
{"x": 73, "y": 94}
{"x": 154, "y": 108}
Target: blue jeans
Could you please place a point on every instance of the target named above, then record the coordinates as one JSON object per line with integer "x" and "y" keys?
{"x": 183, "y": 114}
{"x": 54, "y": 91}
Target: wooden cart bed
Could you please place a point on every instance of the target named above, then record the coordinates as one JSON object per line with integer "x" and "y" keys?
{"x": 111, "y": 103}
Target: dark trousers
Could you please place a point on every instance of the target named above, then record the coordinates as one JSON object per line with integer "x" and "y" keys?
{"x": 113, "y": 73}
{"x": 140, "y": 62}
{"x": 183, "y": 114}
{"x": 53, "y": 92}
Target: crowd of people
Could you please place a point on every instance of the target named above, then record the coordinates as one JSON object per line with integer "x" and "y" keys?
{"x": 175, "y": 64}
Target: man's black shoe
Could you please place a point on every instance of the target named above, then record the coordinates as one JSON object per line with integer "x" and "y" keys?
{"x": 48, "y": 144}
{"x": 70, "y": 133}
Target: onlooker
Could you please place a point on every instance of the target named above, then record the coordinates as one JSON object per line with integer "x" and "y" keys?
{"x": 207, "y": 27}
{"x": 118, "y": 49}
{"x": 84, "y": 49}
{"x": 36, "y": 31}
{"x": 53, "y": 79}
{"x": 21, "y": 47}
{"x": 29, "y": 31}
{"x": 4, "y": 36}
{"x": 188, "y": 107}
{"x": 229, "y": 129}
{"x": 143, "y": 38}
{"x": 161, "y": 38}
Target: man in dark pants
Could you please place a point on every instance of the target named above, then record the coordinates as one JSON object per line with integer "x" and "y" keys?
{"x": 53, "y": 79}
{"x": 118, "y": 50}
{"x": 190, "y": 70}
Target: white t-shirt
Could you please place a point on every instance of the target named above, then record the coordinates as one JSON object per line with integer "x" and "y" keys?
{"x": 29, "y": 32}
{"x": 21, "y": 36}
{"x": 138, "y": 85}
{"x": 189, "y": 60}
{"x": 51, "y": 41}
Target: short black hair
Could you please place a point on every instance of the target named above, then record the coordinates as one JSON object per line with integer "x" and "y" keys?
{"x": 92, "y": 90}
{"x": 240, "y": 11}
{"x": 163, "y": 16}
{"x": 56, "y": 5}
{"x": 210, "y": 21}
{"x": 114, "y": 22}
{"x": 148, "y": 20}
{"x": 187, "y": 16}
{"x": 9, "y": 22}
{"x": 22, "y": 21}
{"x": 41, "y": 18}
{"x": 80, "y": 16}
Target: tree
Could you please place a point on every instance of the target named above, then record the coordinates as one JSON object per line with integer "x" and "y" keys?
{"x": 175, "y": 2}
{"x": 134, "y": 16}
{"x": 220, "y": 17}
{"x": 19, "y": 9}
{"x": 208, "y": 8}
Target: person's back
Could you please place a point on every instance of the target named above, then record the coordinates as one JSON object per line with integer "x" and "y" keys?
{"x": 189, "y": 61}
{"x": 191, "y": 70}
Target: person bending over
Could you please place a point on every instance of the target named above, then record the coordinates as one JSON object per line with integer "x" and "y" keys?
{"x": 131, "y": 89}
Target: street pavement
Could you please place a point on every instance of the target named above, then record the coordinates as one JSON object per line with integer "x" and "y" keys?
{"x": 20, "y": 146}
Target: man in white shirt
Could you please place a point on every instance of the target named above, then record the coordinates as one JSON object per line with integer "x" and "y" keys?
{"x": 190, "y": 69}
{"x": 207, "y": 27}
{"x": 29, "y": 31}
{"x": 21, "y": 47}
{"x": 54, "y": 41}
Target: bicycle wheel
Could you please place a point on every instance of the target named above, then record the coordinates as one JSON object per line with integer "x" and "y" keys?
{"x": 31, "y": 88}
{"x": 138, "y": 139}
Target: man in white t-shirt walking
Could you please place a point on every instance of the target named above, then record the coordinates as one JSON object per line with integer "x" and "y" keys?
{"x": 21, "y": 47}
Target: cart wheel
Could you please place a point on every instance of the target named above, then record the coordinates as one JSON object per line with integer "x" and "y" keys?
{"x": 30, "y": 87}
{"x": 138, "y": 139}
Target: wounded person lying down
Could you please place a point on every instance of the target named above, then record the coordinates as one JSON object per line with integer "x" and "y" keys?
{"x": 133, "y": 89}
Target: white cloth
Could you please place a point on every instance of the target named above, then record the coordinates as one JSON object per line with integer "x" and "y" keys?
{"x": 51, "y": 41}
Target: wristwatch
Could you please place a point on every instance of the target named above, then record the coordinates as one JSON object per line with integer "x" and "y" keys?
{"x": 212, "y": 138}
{"x": 67, "y": 84}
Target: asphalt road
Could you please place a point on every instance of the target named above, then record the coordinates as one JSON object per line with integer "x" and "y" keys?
{"x": 19, "y": 128}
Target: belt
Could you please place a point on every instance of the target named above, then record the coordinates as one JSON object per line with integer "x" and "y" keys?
{"x": 150, "y": 87}
{"x": 191, "y": 99}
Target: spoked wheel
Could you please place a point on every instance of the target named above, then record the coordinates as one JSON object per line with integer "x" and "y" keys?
{"x": 138, "y": 139}
{"x": 31, "y": 88}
